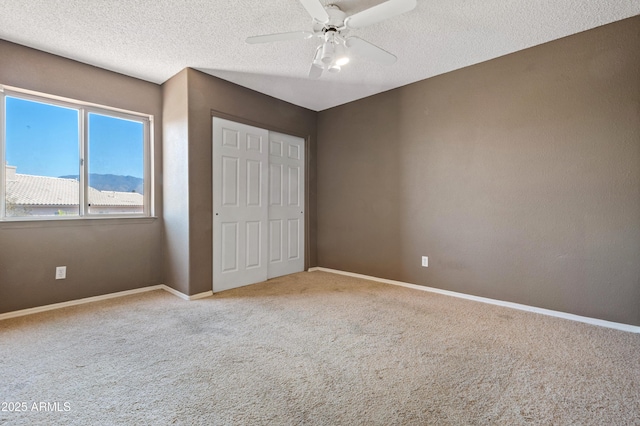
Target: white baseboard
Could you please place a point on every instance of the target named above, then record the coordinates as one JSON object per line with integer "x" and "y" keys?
{"x": 185, "y": 296}
{"x": 61, "y": 305}
{"x": 549, "y": 312}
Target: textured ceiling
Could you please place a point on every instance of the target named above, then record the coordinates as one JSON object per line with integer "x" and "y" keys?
{"x": 155, "y": 39}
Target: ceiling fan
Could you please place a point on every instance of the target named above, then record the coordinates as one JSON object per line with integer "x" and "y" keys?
{"x": 330, "y": 24}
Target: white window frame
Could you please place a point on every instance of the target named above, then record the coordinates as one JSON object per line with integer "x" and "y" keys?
{"x": 84, "y": 109}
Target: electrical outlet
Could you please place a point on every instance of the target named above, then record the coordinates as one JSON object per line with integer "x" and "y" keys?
{"x": 61, "y": 272}
{"x": 425, "y": 261}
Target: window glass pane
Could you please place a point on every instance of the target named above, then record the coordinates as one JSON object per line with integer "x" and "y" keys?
{"x": 42, "y": 155}
{"x": 116, "y": 165}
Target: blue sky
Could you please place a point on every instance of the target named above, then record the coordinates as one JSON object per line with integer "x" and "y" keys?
{"x": 43, "y": 140}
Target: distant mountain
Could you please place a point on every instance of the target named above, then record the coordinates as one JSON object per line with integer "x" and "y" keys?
{"x": 113, "y": 182}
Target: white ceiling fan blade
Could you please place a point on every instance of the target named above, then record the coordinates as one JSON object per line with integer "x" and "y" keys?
{"x": 294, "y": 35}
{"x": 379, "y": 13}
{"x": 316, "y": 10}
{"x": 364, "y": 48}
{"x": 315, "y": 71}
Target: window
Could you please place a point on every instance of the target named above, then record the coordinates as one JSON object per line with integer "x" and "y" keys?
{"x": 66, "y": 159}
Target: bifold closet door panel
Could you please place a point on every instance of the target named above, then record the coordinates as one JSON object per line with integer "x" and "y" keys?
{"x": 286, "y": 204}
{"x": 240, "y": 209}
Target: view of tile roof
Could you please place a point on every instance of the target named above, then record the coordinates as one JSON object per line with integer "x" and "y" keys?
{"x": 50, "y": 191}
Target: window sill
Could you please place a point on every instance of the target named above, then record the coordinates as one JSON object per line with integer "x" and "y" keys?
{"x": 84, "y": 221}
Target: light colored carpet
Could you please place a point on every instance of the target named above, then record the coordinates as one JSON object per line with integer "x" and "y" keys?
{"x": 315, "y": 348}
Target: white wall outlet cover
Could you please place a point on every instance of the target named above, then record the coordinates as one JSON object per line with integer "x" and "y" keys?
{"x": 61, "y": 272}
{"x": 425, "y": 261}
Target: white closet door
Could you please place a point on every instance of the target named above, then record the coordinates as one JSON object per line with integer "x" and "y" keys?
{"x": 240, "y": 210}
{"x": 286, "y": 204}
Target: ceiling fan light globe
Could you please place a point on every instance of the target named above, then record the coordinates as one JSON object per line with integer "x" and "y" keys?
{"x": 328, "y": 51}
{"x": 334, "y": 68}
{"x": 344, "y": 60}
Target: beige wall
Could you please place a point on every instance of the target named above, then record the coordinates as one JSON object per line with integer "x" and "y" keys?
{"x": 102, "y": 256}
{"x": 518, "y": 177}
{"x": 209, "y": 95}
{"x": 176, "y": 181}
